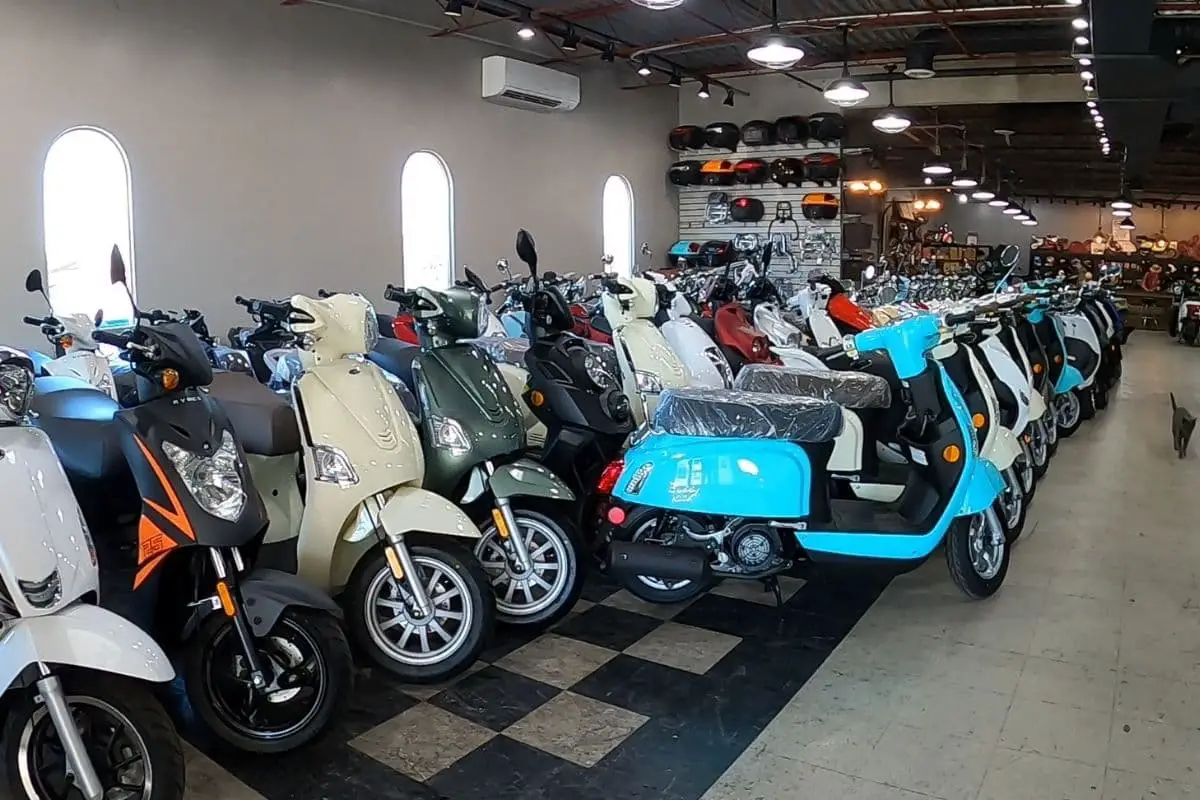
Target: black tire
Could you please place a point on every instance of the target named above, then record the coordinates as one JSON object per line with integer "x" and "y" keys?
{"x": 130, "y": 699}
{"x": 1067, "y": 431}
{"x": 573, "y": 546}
{"x": 638, "y": 519}
{"x": 1013, "y": 529}
{"x": 1040, "y": 472}
{"x": 478, "y": 594}
{"x": 958, "y": 559}
{"x": 321, "y": 631}
{"x": 1087, "y": 402}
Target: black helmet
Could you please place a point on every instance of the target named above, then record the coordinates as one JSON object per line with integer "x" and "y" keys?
{"x": 723, "y": 135}
{"x": 746, "y": 209}
{"x": 687, "y": 137}
{"x": 757, "y": 133}
{"x": 751, "y": 170}
{"x": 684, "y": 173}
{"x": 791, "y": 130}
{"x": 819, "y": 206}
{"x": 827, "y": 126}
{"x": 787, "y": 170}
{"x": 823, "y": 168}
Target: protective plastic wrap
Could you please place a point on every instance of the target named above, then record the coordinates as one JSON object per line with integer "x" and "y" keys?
{"x": 504, "y": 349}
{"x": 746, "y": 415}
{"x": 848, "y": 389}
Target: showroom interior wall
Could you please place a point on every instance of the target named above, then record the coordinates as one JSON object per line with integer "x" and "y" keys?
{"x": 266, "y": 144}
{"x": 1077, "y": 222}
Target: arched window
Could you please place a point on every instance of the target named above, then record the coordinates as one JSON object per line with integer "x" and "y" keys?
{"x": 427, "y": 221}
{"x": 87, "y": 207}
{"x": 618, "y": 224}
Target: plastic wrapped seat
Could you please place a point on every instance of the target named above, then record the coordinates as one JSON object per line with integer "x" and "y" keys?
{"x": 746, "y": 415}
{"x": 854, "y": 390}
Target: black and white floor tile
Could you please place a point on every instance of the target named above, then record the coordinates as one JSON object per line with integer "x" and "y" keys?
{"x": 622, "y": 699}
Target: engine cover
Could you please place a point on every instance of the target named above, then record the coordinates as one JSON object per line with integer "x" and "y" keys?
{"x": 753, "y": 549}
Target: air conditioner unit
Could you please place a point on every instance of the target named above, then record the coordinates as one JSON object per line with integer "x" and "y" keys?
{"x": 509, "y": 82}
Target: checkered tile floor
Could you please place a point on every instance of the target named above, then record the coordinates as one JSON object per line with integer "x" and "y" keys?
{"x": 622, "y": 699}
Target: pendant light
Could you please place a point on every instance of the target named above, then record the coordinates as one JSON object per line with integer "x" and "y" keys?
{"x": 964, "y": 179}
{"x": 1021, "y": 214}
{"x": 1100, "y": 239}
{"x": 775, "y": 52}
{"x": 1161, "y": 241}
{"x": 937, "y": 166}
{"x": 1126, "y": 224}
{"x": 1030, "y": 221}
{"x": 1011, "y": 210}
{"x": 891, "y": 120}
{"x": 658, "y": 5}
{"x": 845, "y": 91}
{"x": 983, "y": 194}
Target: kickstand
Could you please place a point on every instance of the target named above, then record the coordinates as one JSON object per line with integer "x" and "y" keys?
{"x": 772, "y": 584}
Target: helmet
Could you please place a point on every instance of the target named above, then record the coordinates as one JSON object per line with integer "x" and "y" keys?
{"x": 791, "y": 130}
{"x": 722, "y": 135}
{"x": 717, "y": 172}
{"x": 746, "y": 209}
{"x": 827, "y": 126}
{"x": 819, "y": 206}
{"x": 758, "y": 132}
{"x": 752, "y": 170}
{"x": 823, "y": 168}
{"x": 716, "y": 253}
{"x": 684, "y": 173}
{"x": 787, "y": 170}
{"x": 687, "y": 137}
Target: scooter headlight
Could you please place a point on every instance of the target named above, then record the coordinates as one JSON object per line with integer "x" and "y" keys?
{"x": 449, "y": 433}
{"x": 214, "y": 481}
{"x": 45, "y": 593}
{"x": 232, "y": 360}
{"x": 647, "y": 382}
{"x": 598, "y": 372}
{"x": 370, "y": 329}
{"x": 331, "y": 465}
{"x": 16, "y": 388}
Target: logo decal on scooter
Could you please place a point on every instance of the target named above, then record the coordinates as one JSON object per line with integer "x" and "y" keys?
{"x": 638, "y": 479}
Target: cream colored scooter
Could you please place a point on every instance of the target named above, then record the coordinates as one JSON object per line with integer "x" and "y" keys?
{"x": 362, "y": 528}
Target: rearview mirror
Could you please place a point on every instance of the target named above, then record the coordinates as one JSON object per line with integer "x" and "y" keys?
{"x": 526, "y": 250}
{"x": 766, "y": 257}
{"x": 99, "y": 318}
{"x": 33, "y": 281}
{"x": 502, "y": 265}
{"x": 116, "y": 267}
{"x": 645, "y": 249}
{"x": 607, "y": 260}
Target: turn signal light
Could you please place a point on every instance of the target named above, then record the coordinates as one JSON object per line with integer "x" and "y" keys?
{"x": 1058, "y": 359}
{"x": 65, "y": 342}
{"x": 1037, "y": 368}
{"x": 537, "y": 399}
{"x": 226, "y": 598}
{"x": 951, "y": 454}
{"x": 977, "y": 420}
{"x": 169, "y": 379}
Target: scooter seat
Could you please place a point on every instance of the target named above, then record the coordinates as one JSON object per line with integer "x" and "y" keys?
{"x": 396, "y": 357}
{"x": 263, "y": 421}
{"x": 746, "y": 415}
{"x": 855, "y": 390}
{"x": 79, "y": 421}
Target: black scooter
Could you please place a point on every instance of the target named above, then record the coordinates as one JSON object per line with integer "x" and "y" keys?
{"x": 165, "y": 487}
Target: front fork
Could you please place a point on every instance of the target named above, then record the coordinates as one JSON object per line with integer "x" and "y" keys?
{"x": 399, "y": 560}
{"x": 228, "y": 600}
{"x": 510, "y": 532}
{"x": 79, "y": 764}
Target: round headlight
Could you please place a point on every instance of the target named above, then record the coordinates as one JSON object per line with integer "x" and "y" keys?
{"x": 597, "y": 371}
{"x": 16, "y": 388}
{"x": 370, "y": 330}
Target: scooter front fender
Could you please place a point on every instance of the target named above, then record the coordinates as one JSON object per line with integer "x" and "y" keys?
{"x": 1003, "y": 448}
{"x": 413, "y": 509}
{"x": 1070, "y": 378}
{"x": 1037, "y": 406}
{"x": 527, "y": 478}
{"x": 83, "y": 636}
{"x": 266, "y": 593}
{"x": 984, "y": 485}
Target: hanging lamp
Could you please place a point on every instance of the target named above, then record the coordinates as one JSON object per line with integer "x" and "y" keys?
{"x": 983, "y": 194}
{"x": 845, "y": 91}
{"x": 775, "y": 52}
{"x": 937, "y": 166}
{"x": 891, "y": 120}
{"x": 964, "y": 179}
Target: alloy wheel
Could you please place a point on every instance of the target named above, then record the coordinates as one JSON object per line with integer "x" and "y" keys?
{"x": 525, "y": 593}
{"x": 399, "y": 630}
{"x": 986, "y": 545}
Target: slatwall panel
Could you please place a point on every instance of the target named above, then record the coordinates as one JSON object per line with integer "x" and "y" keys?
{"x": 693, "y": 204}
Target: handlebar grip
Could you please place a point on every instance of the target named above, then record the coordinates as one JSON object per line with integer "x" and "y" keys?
{"x": 324, "y": 293}
{"x": 393, "y": 294}
{"x": 241, "y": 301}
{"x": 109, "y": 337}
{"x": 34, "y": 320}
{"x": 830, "y": 352}
{"x": 959, "y": 318}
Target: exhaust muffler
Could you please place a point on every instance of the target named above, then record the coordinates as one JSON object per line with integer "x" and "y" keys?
{"x": 659, "y": 561}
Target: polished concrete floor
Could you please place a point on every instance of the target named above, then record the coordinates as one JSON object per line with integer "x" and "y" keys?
{"x": 1080, "y": 679}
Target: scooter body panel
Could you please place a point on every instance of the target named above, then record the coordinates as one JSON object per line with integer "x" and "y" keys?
{"x": 1012, "y": 375}
{"x": 641, "y": 347}
{"x": 87, "y": 365}
{"x": 698, "y": 353}
{"x": 1087, "y": 362}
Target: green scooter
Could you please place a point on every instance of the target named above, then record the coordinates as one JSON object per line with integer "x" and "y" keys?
{"x": 473, "y": 434}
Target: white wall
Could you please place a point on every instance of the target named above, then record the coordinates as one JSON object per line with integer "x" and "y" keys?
{"x": 266, "y": 144}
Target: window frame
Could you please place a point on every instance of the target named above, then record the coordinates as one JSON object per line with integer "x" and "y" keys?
{"x": 450, "y": 220}
{"x": 631, "y": 255}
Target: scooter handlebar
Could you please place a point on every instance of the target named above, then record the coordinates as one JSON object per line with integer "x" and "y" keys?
{"x": 960, "y": 317}
{"x": 110, "y": 338}
{"x": 38, "y": 321}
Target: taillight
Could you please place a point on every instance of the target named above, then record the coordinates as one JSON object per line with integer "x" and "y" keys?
{"x": 610, "y": 475}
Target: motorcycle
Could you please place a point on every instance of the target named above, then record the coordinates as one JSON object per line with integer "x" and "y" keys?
{"x": 81, "y": 718}
{"x": 264, "y": 660}
{"x": 1187, "y": 309}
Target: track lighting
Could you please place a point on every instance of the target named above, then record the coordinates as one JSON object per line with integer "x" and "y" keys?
{"x": 728, "y": 99}
{"x": 609, "y": 54}
{"x": 453, "y": 8}
{"x": 675, "y": 82}
{"x": 570, "y": 41}
{"x": 644, "y": 68}
{"x": 703, "y": 94}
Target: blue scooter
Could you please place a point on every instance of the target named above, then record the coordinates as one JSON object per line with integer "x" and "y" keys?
{"x": 732, "y": 484}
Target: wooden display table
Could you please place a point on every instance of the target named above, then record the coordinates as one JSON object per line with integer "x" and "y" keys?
{"x": 1147, "y": 310}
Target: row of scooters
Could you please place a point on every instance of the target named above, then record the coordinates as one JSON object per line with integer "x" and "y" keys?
{"x": 253, "y": 501}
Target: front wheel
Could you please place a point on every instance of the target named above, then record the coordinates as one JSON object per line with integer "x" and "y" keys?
{"x": 416, "y": 648}
{"x": 1039, "y": 449}
{"x": 308, "y": 670}
{"x": 1014, "y": 504}
{"x": 549, "y": 590}
{"x": 129, "y": 737}
{"x": 1068, "y": 415}
{"x": 977, "y": 553}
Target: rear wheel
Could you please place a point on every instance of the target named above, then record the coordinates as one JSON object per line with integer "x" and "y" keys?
{"x": 1039, "y": 448}
{"x": 548, "y": 591}
{"x": 1087, "y": 402}
{"x": 1067, "y": 413}
{"x": 1014, "y": 505}
{"x": 641, "y": 526}
{"x": 129, "y": 737}
{"x": 418, "y": 648}
{"x": 977, "y": 553}
{"x": 1100, "y": 398}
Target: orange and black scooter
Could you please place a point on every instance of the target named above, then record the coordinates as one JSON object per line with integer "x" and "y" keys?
{"x": 165, "y": 489}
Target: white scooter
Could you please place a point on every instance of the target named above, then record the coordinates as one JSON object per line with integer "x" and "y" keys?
{"x": 648, "y": 362}
{"x": 72, "y": 334}
{"x": 73, "y": 675}
{"x": 694, "y": 347}
{"x": 362, "y": 527}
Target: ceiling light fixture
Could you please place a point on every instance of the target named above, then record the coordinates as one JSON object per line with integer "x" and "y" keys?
{"x": 728, "y": 99}
{"x": 1122, "y": 203}
{"x": 570, "y": 41}
{"x": 1021, "y": 215}
{"x": 982, "y": 194}
{"x": 844, "y": 91}
{"x": 1079, "y": 24}
{"x": 775, "y": 52}
{"x": 1085, "y": 61}
{"x": 453, "y": 8}
{"x": 1087, "y": 75}
{"x": 1091, "y": 104}
{"x": 938, "y": 165}
{"x": 1122, "y": 212}
{"x": 1089, "y": 87}
{"x": 1012, "y": 209}
{"x": 1127, "y": 223}
{"x": 964, "y": 179}
{"x": 609, "y": 54}
{"x": 962, "y": 198}
{"x": 1074, "y": 2}
{"x": 1082, "y": 41}
{"x": 1031, "y": 221}
{"x": 675, "y": 81}
{"x": 526, "y": 31}
{"x": 658, "y": 5}
{"x": 644, "y": 68}
{"x": 891, "y": 120}
{"x": 703, "y": 93}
